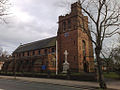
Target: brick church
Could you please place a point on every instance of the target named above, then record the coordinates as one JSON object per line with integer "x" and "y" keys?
{"x": 41, "y": 56}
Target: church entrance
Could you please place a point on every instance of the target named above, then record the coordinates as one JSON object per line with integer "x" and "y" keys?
{"x": 85, "y": 65}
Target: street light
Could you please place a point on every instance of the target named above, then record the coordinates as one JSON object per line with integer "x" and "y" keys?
{"x": 15, "y": 68}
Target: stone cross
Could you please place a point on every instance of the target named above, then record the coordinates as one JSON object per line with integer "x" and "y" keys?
{"x": 66, "y": 54}
{"x": 65, "y": 64}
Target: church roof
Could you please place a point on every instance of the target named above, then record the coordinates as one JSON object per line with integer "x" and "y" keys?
{"x": 49, "y": 42}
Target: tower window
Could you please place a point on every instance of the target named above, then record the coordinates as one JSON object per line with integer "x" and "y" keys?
{"x": 69, "y": 24}
{"x": 82, "y": 27}
{"x": 64, "y": 26}
{"x": 84, "y": 48}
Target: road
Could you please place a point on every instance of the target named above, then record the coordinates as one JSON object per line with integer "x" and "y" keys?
{"x": 12, "y": 84}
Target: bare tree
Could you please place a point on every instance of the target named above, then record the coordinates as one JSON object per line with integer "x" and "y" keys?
{"x": 1, "y": 51}
{"x": 104, "y": 17}
{"x": 3, "y": 12}
{"x": 107, "y": 54}
{"x": 3, "y": 9}
{"x": 116, "y": 53}
{"x": 104, "y": 22}
{"x": 4, "y": 55}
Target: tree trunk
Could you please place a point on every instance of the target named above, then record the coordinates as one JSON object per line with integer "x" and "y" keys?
{"x": 100, "y": 73}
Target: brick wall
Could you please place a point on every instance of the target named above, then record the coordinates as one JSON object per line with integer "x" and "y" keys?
{"x": 71, "y": 39}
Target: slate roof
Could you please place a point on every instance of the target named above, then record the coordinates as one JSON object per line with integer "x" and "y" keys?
{"x": 49, "y": 42}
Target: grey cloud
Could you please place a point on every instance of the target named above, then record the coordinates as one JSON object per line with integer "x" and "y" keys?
{"x": 43, "y": 15}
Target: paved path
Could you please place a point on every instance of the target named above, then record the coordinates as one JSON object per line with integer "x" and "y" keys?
{"x": 77, "y": 84}
{"x": 14, "y": 84}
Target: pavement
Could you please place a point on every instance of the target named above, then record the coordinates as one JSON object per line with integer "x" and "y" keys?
{"x": 113, "y": 85}
{"x": 14, "y": 84}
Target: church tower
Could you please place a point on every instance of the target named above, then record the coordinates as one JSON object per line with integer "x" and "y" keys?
{"x": 72, "y": 37}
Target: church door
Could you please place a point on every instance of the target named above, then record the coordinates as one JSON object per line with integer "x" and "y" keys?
{"x": 85, "y": 65}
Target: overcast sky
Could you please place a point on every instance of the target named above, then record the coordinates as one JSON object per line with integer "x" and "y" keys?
{"x": 31, "y": 20}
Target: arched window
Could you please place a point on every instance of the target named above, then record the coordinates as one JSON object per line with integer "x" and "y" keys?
{"x": 28, "y": 53}
{"x": 64, "y": 26}
{"x": 85, "y": 63}
{"x": 53, "y": 50}
{"x": 33, "y": 52}
{"x": 39, "y": 52}
{"x": 45, "y": 51}
{"x": 69, "y": 24}
{"x": 84, "y": 48}
{"x": 23, "y": 53}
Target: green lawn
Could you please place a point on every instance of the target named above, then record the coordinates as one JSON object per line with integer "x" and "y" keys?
{"x": 112, "y": 75}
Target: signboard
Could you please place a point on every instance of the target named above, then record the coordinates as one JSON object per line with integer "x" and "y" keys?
{"x": 66, "y": 34}
{"x": 43, "y": 67}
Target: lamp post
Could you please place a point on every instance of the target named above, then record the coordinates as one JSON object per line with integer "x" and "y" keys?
{"x": 15, "y": 68}
{"x": 56, "y": 58}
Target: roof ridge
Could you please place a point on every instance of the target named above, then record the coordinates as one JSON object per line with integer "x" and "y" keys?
{"x": 37, "y": 41}
{"x": 44, "y": 43}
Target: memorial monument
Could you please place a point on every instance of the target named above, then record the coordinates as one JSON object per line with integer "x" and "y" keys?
{"x": 65, "y": 64}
